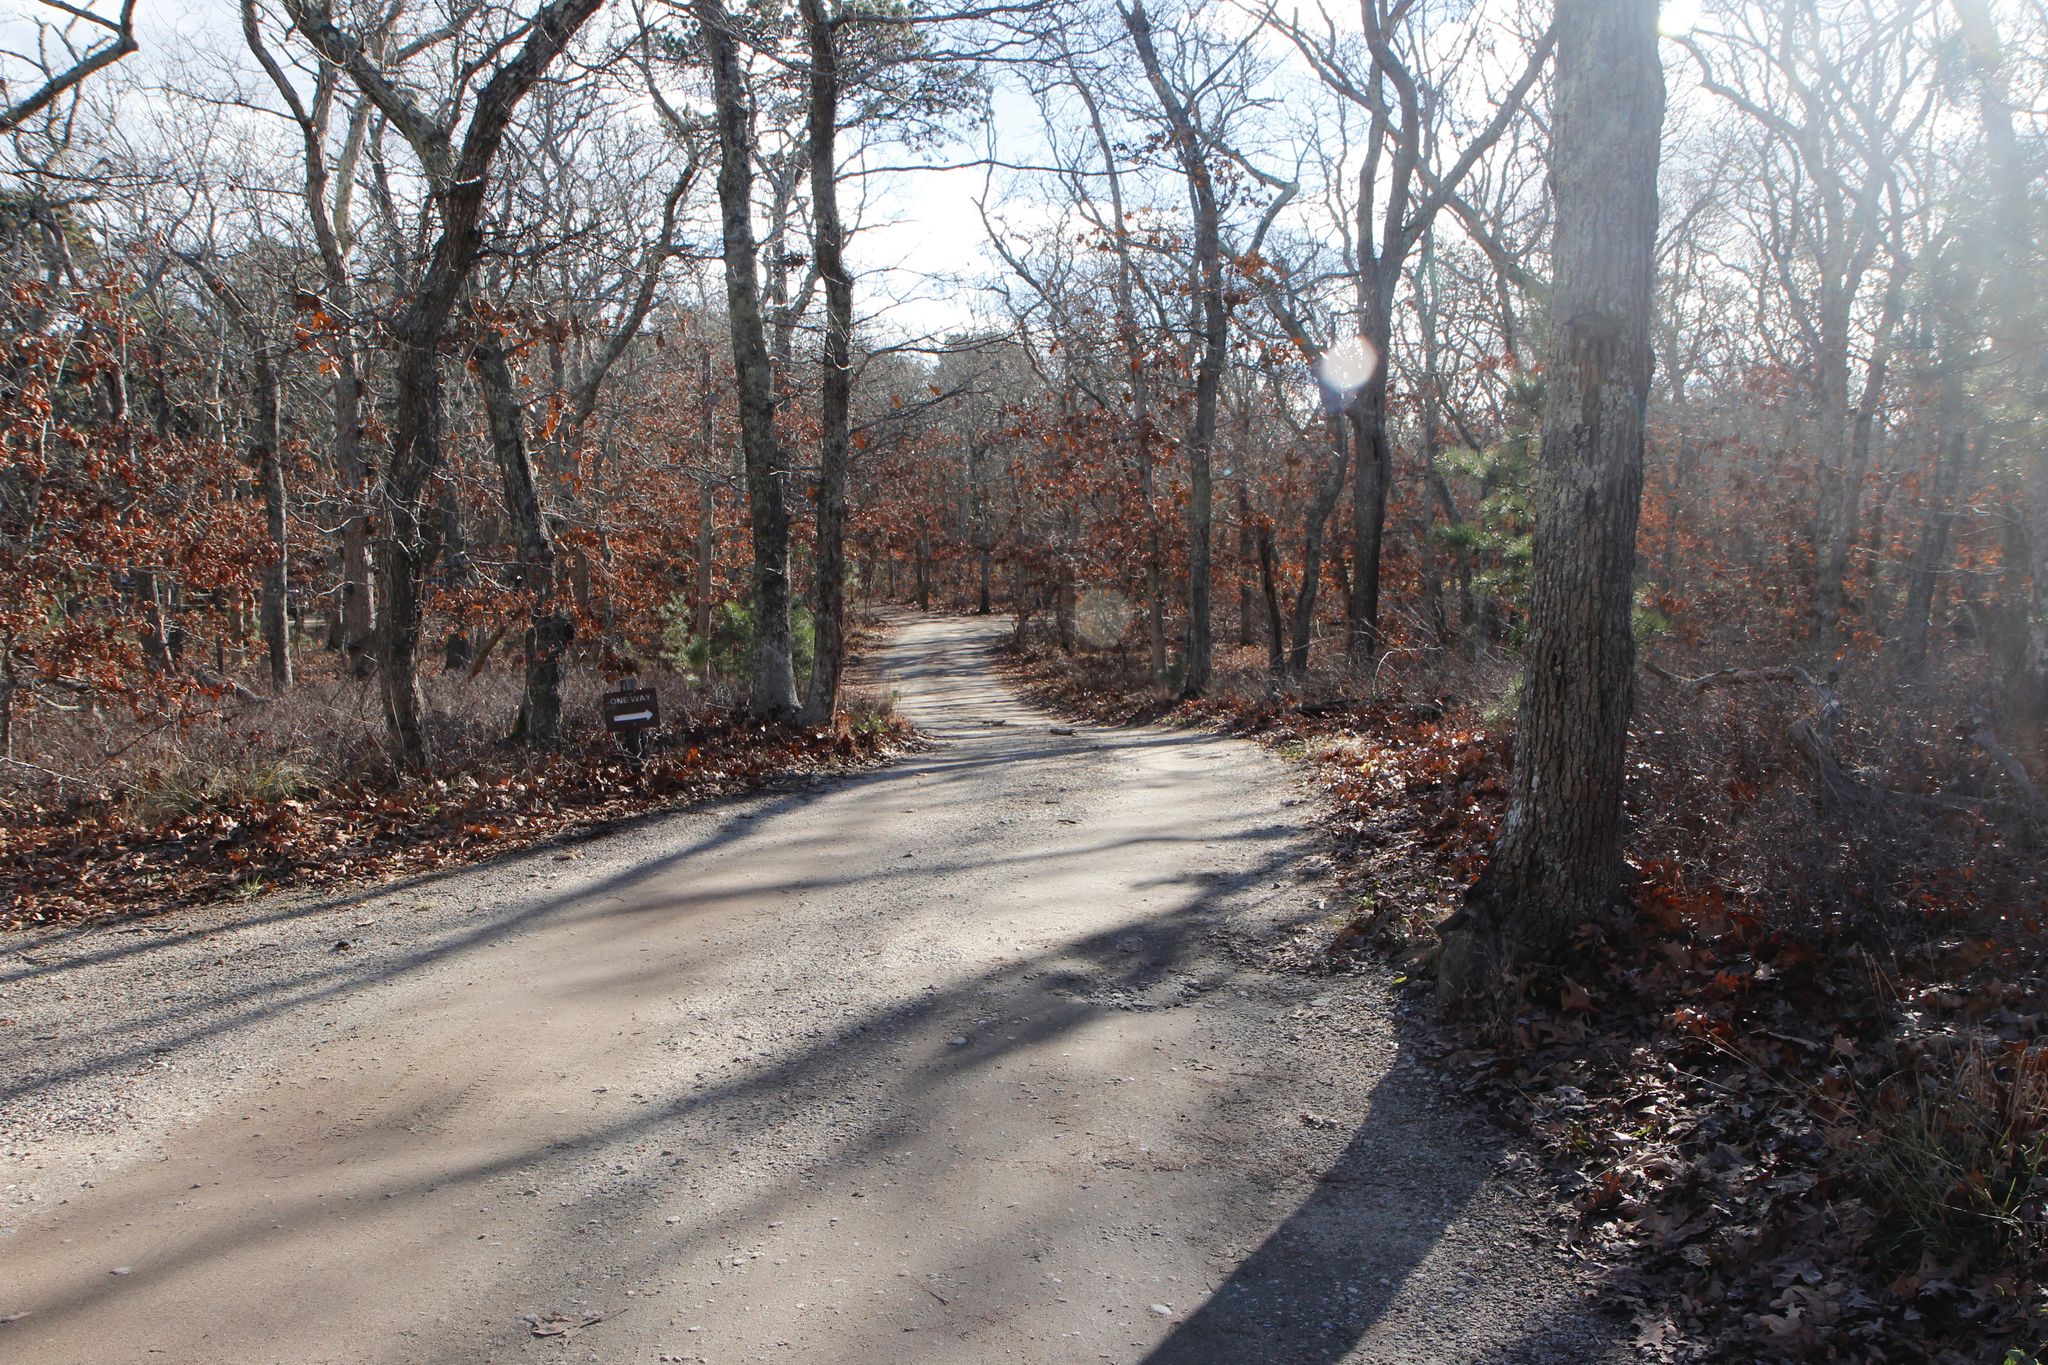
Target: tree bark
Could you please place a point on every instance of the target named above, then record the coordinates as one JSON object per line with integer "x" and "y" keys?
{"x": 774, "y": 685}
{"x": 1557, "y": 855}
{"x": 1372, "y": 476}
{"x": 358, "y": 603}
{"x": 707, "y": 508}
{"x": 835, "y": 395}
{"x": 549, "y": 630}
{"x": 264, "y": 451}
{"x": 1276, "y": 657}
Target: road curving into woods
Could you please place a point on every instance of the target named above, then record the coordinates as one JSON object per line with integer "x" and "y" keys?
{"x": 982, "y": 1056}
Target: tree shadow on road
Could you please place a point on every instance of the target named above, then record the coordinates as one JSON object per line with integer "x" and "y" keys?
{"x": 1368, "y": 1250}
{"x": 1326, "y": 1283}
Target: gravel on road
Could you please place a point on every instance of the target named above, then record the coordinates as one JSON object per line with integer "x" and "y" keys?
{"x": 980, "y": 1057}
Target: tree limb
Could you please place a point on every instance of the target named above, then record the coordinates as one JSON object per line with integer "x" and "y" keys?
{"x": 122, "y": 43}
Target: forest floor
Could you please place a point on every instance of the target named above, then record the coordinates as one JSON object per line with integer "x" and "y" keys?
{"x": 1001, "y": 1053}
{"x": 225, "y": 828}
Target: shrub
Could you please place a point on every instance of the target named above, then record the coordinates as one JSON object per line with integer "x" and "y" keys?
{"x": 728, "y": 651}
{"x": 868, "y": 711}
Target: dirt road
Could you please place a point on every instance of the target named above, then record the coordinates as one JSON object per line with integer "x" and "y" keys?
{"x": 969, "y": 1059}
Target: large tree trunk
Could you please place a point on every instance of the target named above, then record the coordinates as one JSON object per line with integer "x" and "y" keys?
{"x": 409, "y": 542}
{"x": 835, "y": 396}
{"x": 774, "y": 692}
{"x": 400, "y": 569}
{"x": 549, "y": 630}
{"x": 1558, "y": 851}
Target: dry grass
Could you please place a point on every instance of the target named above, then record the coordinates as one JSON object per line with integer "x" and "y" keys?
{"x": 1956, "y": 1156}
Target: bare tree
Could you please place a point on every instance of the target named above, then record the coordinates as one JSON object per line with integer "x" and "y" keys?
{"x": 330, "y": 171}
{"x": 266, "y": 437}
{"x": 835, "y": 397}
{"x": 774, "y": 685}
{"x": 1191, "y": 149}
{"x": 1834, "y": 98}
{"x": 1399, "y": 195}
{"x": 459, "y": 179}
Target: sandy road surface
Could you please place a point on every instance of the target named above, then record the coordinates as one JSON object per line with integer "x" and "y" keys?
{"x": 968, "y": 1059}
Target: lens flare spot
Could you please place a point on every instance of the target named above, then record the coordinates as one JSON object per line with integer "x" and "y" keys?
{"x": 1345, "y": 368}
{"x": 1677, "y": 18}
{"x": 1100, "y": 617}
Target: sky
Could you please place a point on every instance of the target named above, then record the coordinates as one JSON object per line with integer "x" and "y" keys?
{"x": 921, "y": 238}
{"x": 921, "y": 246}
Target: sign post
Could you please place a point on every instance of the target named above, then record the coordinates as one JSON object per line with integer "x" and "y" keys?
{"x": 630, "y": 714}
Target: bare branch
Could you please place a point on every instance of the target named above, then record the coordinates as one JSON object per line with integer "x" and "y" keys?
{"x": 98, "y": 59}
